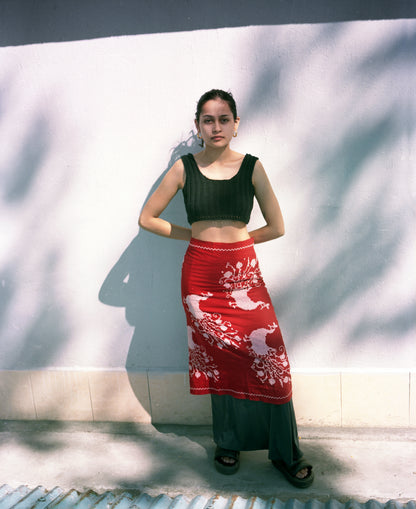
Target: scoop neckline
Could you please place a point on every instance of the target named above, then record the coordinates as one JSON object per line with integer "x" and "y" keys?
{"x": 218, "y": 180}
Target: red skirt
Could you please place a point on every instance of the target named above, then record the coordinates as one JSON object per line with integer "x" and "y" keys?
{"x": 235, "y": 343}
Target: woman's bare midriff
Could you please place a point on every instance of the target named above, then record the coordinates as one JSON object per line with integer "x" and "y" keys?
{"x": 220, "y": 231}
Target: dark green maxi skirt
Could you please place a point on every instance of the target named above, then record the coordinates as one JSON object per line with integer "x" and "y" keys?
{"x": 245, "y": 425}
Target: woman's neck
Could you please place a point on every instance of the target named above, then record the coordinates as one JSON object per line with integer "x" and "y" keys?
{"x": 208, "y": 155}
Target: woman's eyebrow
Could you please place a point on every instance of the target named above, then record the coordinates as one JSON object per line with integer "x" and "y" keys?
{"x": 225, "y": 115}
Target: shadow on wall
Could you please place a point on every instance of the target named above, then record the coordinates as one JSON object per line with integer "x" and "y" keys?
{"x": 28, "y": 332}
{"x": 146, "y": 282}
{"x": 348, "y": 250}
{"x": 32, "y": 22}
{"x": 347, "y": 255}
{"x": 359, "y": 260}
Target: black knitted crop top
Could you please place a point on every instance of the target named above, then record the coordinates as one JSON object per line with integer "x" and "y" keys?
{"x": 208, "y": 199}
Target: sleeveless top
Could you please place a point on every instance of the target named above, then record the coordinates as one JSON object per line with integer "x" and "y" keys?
{"x": 209, "y": 199}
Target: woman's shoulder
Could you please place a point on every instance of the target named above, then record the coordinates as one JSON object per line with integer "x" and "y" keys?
{"x": 177, "y": 166}
{"x": 176, "y": 172}
{"x": 184, "y": 162}
{"x": 259, "y": 174}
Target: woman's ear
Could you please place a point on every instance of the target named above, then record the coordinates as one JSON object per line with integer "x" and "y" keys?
{"x": 198, "y": 133}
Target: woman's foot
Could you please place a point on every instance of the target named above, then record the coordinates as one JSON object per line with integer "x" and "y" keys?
{"x": 226, "y": 461}
{"x": 299, "y": 474}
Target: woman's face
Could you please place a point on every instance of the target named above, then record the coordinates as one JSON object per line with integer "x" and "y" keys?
{"x": 216, "y": 123}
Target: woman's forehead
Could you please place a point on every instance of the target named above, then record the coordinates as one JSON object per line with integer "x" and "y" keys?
{"x": 216, "y": 107}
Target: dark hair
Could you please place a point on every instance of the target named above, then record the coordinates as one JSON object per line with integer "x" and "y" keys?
{"x": 216, "y": 94}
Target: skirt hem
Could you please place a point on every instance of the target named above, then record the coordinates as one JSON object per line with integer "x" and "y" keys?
{"x": 276, "y": 400}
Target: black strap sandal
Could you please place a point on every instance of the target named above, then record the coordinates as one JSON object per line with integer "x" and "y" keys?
{"x": 290, "y": 472}
{"x": 226, "y": 468}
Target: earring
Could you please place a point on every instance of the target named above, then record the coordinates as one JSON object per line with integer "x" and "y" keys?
{"x": 235, "y": 134}
{"x": 198, "y": 135}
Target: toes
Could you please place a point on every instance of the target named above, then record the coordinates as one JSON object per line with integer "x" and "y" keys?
{"x": 302, "y": 473}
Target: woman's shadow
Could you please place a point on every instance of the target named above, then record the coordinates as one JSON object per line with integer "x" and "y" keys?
{"x": 146, "y": 281}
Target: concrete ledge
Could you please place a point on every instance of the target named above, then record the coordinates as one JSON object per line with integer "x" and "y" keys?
{"x": 412, "y": 400}
{"x": 172, "y": 402}
{"x": 16, "y": 396}
{"x": 321, "y": 399}
{"x": 119, "y": 396}
{"x": 379, "y": 398}
{"x": 317, "y": 399}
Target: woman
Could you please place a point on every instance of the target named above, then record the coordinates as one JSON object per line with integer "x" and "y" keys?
{"x": 236, "y": 350}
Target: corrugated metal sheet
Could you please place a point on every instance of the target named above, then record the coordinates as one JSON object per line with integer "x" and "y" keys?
{"x": 41, "y": 498}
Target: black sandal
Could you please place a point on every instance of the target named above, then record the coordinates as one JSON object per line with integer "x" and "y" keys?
{"x": 224, "y": 467}
{"x": 290, "y": 472}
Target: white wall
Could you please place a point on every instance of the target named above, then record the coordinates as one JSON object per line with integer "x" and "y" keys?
{"x": 88, "y": 127}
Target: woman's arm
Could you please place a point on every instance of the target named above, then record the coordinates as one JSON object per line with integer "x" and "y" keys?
{"x": 149, "y": 218}
{"x": 269, "y": 207}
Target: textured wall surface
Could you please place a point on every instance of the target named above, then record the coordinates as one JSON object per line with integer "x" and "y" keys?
{"x": 89, "y": 124}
